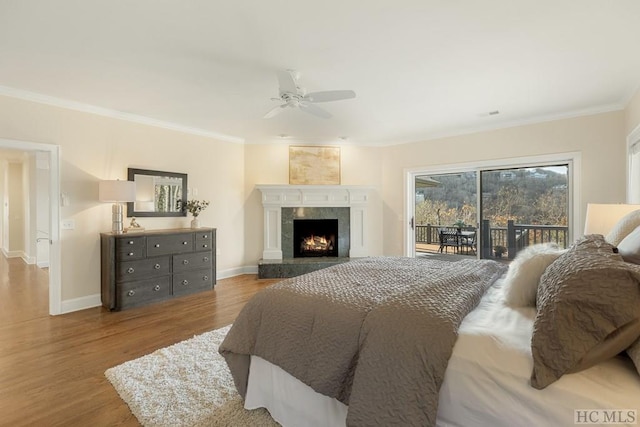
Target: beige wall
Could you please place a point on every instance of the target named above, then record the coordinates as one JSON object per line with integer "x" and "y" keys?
{"x": 95, "y": 148}
{"x": 632, "y": 113}
{"x": 16, "y": 208}
{"x": 269, "y": 164}
{"x": 599, "y": 139}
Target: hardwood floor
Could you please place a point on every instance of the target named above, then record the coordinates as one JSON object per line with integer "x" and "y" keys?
{"x": 52, "y": 367}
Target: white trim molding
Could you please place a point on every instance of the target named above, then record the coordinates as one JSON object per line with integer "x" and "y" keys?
{"x": 275, "y": 197}
{"x": 114, "y": 114}
{"x": 82, "y": 303}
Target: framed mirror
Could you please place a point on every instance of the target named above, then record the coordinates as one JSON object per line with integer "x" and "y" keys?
{"x": 157, "y": 193}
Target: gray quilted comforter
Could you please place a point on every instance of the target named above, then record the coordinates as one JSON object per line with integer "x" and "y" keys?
{"x": 375, "y": 333}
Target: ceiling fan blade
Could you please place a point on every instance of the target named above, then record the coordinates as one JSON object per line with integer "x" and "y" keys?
{"x": 275, "y": 111}
{"x": 329, "y": 95}
{"x": 287, "y": 83}
{"x": 315, "y": 110}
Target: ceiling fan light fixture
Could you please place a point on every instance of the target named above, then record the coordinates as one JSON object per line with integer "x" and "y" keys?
{"x": 294, "y": 96}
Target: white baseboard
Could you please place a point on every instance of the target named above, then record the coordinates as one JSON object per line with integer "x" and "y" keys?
{"x": 28, "y": 259}
{"x": 95, "y": 300}
{"x": 81, "y": 303}
{"x": 13, "y": 254}
{"x": 43, "y": 264}
{"x": 237, "y": 271}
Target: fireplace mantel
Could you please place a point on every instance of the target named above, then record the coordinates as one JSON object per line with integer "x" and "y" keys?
{"x": 275, "y": 197}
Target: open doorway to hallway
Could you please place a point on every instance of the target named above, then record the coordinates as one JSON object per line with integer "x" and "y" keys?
{"x": 24, "y": 224}
{"x": 30, "y": 212}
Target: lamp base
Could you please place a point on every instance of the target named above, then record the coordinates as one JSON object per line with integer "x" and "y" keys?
{"x": 116, "y": 218}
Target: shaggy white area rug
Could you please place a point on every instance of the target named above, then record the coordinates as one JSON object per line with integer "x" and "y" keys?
{"x": 186, "y": 384}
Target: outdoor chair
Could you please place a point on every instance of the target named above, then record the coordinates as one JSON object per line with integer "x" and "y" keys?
{"x": 468, "y": 242}
{"x": 448, "y": 238}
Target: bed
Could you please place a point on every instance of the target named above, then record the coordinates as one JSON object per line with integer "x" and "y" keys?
{"x": 481, "y": 376}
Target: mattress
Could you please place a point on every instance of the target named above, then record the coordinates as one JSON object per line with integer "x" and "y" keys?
{"x": 486, "y": 382}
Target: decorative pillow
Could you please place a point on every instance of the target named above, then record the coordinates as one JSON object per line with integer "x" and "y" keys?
{"x": 521, "y": 281}
{"x": 584, "y": 297}
{"x": 629, "y": 247}
{"x": 623, "y": 227}
{"x": 634, "y": 353}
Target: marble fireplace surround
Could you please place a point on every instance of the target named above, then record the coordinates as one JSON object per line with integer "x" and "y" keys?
{"x": 276, "y": 197}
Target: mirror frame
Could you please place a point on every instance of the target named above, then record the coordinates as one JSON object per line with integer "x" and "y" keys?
{"x": 132, "y": 172}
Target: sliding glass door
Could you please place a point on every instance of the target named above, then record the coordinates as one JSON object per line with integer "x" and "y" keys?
{"x": 491, "y": 212}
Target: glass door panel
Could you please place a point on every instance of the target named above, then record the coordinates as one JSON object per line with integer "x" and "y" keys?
{"x": 446, "y": 214}
{"x": 520, "y": 207}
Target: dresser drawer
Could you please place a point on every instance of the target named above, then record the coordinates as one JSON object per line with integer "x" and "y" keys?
{"x": 130, "y": 248}
{"x": 136, "y": 270}
{"x": 140, "y": 292}
{"x": 194, "y": 261}
{"x": 204, "y": 240}
{"x": 191, "y": 281}
{"x": 163, "y": 245}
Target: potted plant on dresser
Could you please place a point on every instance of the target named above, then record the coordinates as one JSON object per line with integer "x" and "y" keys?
{"x": 195, "y": 207}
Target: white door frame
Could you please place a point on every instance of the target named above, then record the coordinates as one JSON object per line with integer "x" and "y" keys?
{"x": 572, "y": 158}
{"x": 55, "y": 270}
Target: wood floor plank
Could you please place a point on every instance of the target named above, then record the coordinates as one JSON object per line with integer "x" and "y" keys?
{"x": 52, "y": 367}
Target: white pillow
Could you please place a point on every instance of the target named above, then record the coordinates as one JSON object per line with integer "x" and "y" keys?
{"x": 623, "y": 228}
{"x": 521, "y": 281}
{"x": 629, "y": 247}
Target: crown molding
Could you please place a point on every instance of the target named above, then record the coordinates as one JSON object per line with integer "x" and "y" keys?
{"x": 513, "y": 123}
{"x": 114, "y": 114}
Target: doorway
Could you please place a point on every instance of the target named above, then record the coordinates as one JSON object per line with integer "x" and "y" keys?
{"x": 504, "y": 204}
{"x": 51, "y": 152}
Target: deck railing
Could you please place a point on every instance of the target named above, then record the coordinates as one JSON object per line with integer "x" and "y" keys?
{"x": 513, "y": 237}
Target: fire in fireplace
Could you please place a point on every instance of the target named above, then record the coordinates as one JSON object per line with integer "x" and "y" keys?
{"x": 315, "y": 238}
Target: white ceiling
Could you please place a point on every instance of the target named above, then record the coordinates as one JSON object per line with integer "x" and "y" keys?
{"x": 420, "y": 68}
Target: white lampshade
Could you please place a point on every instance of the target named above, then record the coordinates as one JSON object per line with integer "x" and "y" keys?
{"x": 117, "y": 191}
{"x": 602, "y": 217}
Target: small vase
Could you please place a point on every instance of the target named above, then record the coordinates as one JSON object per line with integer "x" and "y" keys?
{"x": 195, "y": 222}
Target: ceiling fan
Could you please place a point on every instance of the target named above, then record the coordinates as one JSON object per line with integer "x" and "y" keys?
{"x": 293, "y": 96}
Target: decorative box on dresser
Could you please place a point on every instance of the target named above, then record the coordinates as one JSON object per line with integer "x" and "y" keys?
{"x": 144, "y": 267}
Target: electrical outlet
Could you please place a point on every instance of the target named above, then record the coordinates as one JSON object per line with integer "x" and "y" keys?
{"x": 68, "y": 224}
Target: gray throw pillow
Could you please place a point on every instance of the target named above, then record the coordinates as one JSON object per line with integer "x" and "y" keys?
{"x": 584, "y": 297}
{"x": 634, "y": 353}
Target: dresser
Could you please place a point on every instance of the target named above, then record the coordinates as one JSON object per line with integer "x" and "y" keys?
{"x": 145, "y": 267}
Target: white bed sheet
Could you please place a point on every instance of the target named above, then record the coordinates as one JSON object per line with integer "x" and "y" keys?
{"x": 486, "y": 382}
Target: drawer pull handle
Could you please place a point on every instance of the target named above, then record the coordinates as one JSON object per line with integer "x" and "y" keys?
{"x": 205, "y": 278}
{"x": 130, "y": 270}
{"x": 184, "y": 243}
{"x": 130, "y": 254}
{"x": 156, "y": 288}
{"x": 185, "y": 261}
{"x": 131, "y": 293}
{"x": 157, "y": 245}
{"x": 205, "y": 246}
{"x": 205, "y": 259}
{"x": 130, "y": 242}
{"x": 157, "y": 266}
{"x": 205, "y": 236}
{"x": 185, "y": 282}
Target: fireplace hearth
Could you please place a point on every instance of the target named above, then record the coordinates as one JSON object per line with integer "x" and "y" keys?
{"x": 315, "y": 238}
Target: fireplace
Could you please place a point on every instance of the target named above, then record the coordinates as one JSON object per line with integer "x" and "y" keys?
{"x": 315, "y": 238}
{"x": 285, "y": 203}
{"x": 315, "y": 232}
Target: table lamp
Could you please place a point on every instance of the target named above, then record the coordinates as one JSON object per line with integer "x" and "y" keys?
{"x": 117, "y": 191}
{"x": 601, "y": 218}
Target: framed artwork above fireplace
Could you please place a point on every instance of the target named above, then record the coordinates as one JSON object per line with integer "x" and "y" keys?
{"x": 314, "y": 165}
